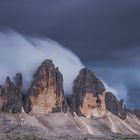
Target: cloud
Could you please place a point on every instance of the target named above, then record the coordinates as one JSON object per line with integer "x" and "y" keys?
{"x": 24, "y": 54}
{"x": 124, "y": 82}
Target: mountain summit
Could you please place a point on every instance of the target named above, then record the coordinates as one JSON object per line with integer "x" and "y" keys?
{"x": 46, "y": 93}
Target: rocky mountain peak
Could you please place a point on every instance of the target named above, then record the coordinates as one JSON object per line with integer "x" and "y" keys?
{"x": 88, "y": 94}
{"x": 86, "y": 81}
{"x": 46, "y": 93}
{"x": 11, "y": 95}
{"x": 90, "y": 98}
{"x": 116, "y": 107}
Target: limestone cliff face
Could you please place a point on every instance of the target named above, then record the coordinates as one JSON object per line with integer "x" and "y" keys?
{"x": 88, "y": 98}
{"x": 46, "y": 93}
{"x": 135, "y": 112}
{"x": 114, "y": 106}
{"x": 11, "y": 95}
{"x": 111, "y": 103}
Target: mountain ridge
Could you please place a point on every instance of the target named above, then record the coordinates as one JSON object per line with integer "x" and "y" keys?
{"x": 47, "y": 107}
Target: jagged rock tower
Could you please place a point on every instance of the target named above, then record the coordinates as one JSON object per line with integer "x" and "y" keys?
{"x": 46, "y": 93}
{"x": 88, "y": 98}
{"x": 11, "y": 95}
{"x": 116, "y": 107}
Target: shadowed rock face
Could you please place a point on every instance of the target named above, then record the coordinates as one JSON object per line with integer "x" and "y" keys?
{"x": 137, "y": 113}
{"x": 111, "y": 103}
{"x": 88, "y": 94}
{"x": 114, "y": 106}
{"x": 122, "y": 110}
{"x": 11, "y": 95}
{"x": 46, "y": 93}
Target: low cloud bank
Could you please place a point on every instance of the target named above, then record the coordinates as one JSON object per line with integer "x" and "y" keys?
{"x": 19, "y": 53}
{"x": 24, "y": 54}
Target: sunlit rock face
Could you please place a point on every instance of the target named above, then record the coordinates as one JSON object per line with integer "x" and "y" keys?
{"x": 116, "y": 107}
{"x": 11, "y": 95}
{"x": 46, "y": 93}
{"x": 88, "y": 98}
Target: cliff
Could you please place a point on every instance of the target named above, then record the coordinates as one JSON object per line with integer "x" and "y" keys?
{"x": 46, "y": 93}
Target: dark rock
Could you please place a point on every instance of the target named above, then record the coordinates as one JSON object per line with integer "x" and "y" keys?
{"x": 65, "y": 105}
{"x": 137, "y": 113}
{"x": 86, "y": 91}
{"x": 11, "y": 95}
{"x": 87, "y": 82}
{"x": 122, "y": 110}
{"x": 27, "y": 103}
{"x": 1, "y": 97}
{"x": 114, "y": 106}
{"x": 1, "y": 90}
{"x": 111, "y": 103}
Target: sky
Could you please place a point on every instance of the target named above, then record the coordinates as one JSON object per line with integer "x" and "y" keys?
{"x": 104, "y": 34}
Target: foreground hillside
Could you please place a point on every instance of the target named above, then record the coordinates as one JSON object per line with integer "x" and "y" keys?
{"x": 64, "y": 126}
{"x": 44, "y": 112}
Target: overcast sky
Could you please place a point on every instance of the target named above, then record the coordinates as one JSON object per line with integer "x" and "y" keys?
{"x": 105, "y": 34}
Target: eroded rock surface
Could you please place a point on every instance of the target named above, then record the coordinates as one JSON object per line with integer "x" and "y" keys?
{"x": 88, "y": 94}
{"x": 11, "y": 95}
{"x": 116, "y": 107}
{"x": 137, "y": 113}
{"x": 46, "y": 93}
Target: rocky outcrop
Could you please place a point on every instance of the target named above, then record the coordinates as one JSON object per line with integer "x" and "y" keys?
{"x": 122, "y": 110}
{"x": 88, "y": 94}
{"x": 137, "y": 113}
{"x": 90, "y": 99}
{"x": 1, "y": 97}
{"x": 114, "y": 106}
{"x": 46, "y": 93}
{"x": 11, "y": 95}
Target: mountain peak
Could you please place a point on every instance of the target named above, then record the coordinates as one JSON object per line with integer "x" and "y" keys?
{"x": 11, "y": 95}
{"x": 46, "y": 93}
{"x": 88, "y": 92}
